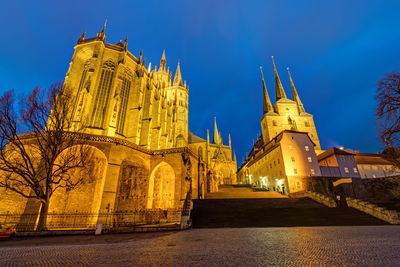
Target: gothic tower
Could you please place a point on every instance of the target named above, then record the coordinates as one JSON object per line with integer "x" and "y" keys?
{"x": 285, "y": 114}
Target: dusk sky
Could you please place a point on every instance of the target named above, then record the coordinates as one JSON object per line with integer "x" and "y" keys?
{"x": 337, "y": 51}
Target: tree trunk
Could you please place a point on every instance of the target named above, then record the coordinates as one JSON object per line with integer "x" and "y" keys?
{"x": 42, "y": 224}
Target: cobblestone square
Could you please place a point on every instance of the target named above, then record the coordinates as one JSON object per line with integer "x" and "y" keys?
{"x": 294, "y": 246}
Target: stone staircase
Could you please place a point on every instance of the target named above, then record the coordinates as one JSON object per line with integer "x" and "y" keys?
{"x": 232, "y": 207}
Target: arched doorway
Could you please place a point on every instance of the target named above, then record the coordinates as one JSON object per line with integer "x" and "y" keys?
{"x": 161, "y": 194}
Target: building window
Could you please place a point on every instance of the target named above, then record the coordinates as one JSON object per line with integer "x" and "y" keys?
{"x": 279, "y": 161}
{"x": 298, "y": 184}
{"x": 309, "y": 159}
{"x": 355, "y": 170}
{"x": 103, "y": 92}
{"x": 293, "y": 159}
{"x": 346, "y": 170}
{"x": 273, "y": 123}
{"x": 307, "y": 124}
{"x": 312, "y": 172}
{"x": 124, "y": 95}
{"x": 307, "y": 148}
{"x": 274, "y": 163}
{"x": 270, "y": 165}
{"x": 295, "y": 171}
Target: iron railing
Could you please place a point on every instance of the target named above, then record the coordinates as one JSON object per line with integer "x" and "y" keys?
{"x": 88, "y": 221}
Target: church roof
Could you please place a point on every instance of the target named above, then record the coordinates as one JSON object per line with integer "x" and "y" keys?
{"x": 195, "y": 139}
{"x": 333, "y": 151}
{"x": 371, "y": 159}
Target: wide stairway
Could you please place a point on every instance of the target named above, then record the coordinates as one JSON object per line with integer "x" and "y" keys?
{"x": 242, "y": 207}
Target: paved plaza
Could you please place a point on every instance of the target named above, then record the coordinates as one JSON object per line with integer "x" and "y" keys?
{"x": 322, "y": 246}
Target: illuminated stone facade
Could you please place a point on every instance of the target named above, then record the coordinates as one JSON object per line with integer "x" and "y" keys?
{"x": 135, "y": 119}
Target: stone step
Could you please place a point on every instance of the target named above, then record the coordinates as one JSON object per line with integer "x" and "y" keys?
{"x": 217, "y": 213}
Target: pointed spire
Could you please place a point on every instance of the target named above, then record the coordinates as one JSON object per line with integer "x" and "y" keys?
{"x": 82, "y": 38}
{"x": 216, "y": 133}
{"x": 163, "y": 62}
{"x": 280, "y": 93}
{"x": 101, "y": 35}
{"x": 104, "y": 27}
{"x": 234, "y": 156}
{"x": 178, "y": 76}
{"x": 163, "y": 55}
{"x": 126, "y": 42}
{"x": 267, "y": 106}
{"x": 296, "y": 97}
{"x": 149, "y": 68}
{"x": 230, "y": 144}
{"x": 220, "y": 139}
{"x": 208, "y": 136}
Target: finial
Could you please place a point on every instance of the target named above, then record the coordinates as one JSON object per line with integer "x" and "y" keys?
{"x": 82, "y": 38}
{"x": 104, "y": 27}
{"x": 272, "y": 57}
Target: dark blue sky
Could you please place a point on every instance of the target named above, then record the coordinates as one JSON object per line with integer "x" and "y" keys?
{"x": 336, "y": 50}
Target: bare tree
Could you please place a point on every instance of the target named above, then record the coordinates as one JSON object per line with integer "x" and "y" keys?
{"x": 388, "y": 114}
{"x": 37, "y": 152}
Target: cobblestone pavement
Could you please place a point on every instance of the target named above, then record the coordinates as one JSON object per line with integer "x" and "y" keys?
{"x": 316, "y": 246}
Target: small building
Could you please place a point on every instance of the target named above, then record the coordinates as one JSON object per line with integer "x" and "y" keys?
{"x": 373, "y": 165}
{"x": 282, "y": 164}
{"x": 336, "y": 162}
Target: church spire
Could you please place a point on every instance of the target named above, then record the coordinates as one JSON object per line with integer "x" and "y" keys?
{"x": 163, "y": 62}
{"x": 216, "y": 133}
{"x": 266, "y": 101}
{"x": 82, "y": 38}
{"x": 126, "y": 43}
{"x": 296, "y": 97}
{"x": 101, "y": 35}
{"x": 178, "y": 76}
{"x": 280, "y": 93}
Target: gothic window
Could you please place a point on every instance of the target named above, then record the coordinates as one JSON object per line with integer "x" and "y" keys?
{"x": 103, "y": 94}
{"x": 307, "y": 124}
{"x": 78, "y": 94}
{"x": 273, "y": 123}
{"x": 124, "y": 96}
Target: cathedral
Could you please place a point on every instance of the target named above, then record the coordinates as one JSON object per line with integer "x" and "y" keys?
{"x": 134, "y": 117}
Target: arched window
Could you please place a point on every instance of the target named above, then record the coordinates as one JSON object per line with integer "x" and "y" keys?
{"x": 124, "y": 97}
{"x": 78, "y": 95}
{"x": 103, "y": 94}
